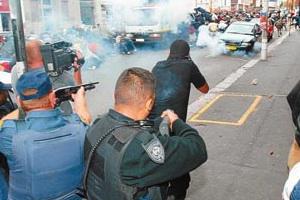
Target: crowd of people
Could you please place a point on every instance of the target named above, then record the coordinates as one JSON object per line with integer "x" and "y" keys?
{"x": 221, "y": 19}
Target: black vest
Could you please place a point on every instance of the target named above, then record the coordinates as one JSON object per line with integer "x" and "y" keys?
{"x": 104, "y": 181}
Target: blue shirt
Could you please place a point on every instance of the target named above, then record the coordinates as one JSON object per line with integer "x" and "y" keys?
{"x": 3, "y": 187}
{"x": 296, "y": 192}
{"x": 41, "y": 121}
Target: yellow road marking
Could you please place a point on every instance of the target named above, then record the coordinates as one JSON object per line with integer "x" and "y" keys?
{"x": 205, "y": 108}
{"x": 241, "y": 121}
{"x": 250, "y": 110}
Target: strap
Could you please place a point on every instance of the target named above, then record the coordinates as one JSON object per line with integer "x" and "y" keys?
{"x": 92, "y": 152}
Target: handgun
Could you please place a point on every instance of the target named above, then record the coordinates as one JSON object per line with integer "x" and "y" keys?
{"x": 65, "y": 93}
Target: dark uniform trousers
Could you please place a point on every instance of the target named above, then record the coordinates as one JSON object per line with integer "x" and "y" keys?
{"x": 178, "y": 187}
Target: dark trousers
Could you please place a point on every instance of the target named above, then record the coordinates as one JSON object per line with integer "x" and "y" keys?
{"x": 178, "y": 187}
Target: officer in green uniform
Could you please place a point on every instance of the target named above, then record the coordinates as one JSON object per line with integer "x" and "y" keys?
{"x": 125, "y": 160}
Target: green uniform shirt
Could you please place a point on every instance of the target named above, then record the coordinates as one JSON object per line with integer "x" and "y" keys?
{"x": 184, "y": 151}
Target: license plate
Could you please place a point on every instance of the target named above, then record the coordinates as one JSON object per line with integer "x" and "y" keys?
{"x": 140, "y": 40}
{"x": 231, "y": 47}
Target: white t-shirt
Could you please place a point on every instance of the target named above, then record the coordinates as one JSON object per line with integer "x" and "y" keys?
{"x": 293, "y": 179}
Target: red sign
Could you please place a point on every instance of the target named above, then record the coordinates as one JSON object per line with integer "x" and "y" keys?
{"x": 263, "y": 22}
{"x": 4, "y": 6}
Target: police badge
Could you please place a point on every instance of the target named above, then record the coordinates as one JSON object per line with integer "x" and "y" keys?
{"x": 155, "y": 150}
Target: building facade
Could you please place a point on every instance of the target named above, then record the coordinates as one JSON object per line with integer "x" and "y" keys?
{"x": 50, "y": 15}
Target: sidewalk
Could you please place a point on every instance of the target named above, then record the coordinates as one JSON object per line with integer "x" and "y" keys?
{"x": 248, "y": 130}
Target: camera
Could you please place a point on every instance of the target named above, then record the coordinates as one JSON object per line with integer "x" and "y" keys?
{"x": 58, "y": 57}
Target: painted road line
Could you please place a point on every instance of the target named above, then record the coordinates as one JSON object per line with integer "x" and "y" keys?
{"x": 196, "y": 117}
{"x": 232, "y": 78}
{"x": 250, "y": 110}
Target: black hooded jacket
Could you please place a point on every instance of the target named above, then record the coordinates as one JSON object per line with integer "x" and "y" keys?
{"x": 173, "y": 80}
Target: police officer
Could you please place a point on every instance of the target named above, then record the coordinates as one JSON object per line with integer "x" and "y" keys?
{"x": 51, "y": 141}
{"x": 124, "y": 160}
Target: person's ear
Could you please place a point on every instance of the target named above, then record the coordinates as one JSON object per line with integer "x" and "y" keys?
{"x": 52, "y": 99}
{"x": 149, "y": 104}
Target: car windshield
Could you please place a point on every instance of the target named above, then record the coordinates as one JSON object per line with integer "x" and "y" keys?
{"x": 240, "y": 29}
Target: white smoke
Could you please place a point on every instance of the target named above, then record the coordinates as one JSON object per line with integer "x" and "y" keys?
{"x": 211, "y": 41}
{"x": 169, "y": 12}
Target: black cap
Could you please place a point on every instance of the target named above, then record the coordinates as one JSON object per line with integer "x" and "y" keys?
{"x": 179, "y": 49}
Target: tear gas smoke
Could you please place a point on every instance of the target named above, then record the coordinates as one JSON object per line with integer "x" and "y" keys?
{"x": 207, "y": 39}
{"x": 239, "y": 53}
{"x": 96, "y": 45}
{"x": 216, "y": 47}
{"x": 170, "y": 13}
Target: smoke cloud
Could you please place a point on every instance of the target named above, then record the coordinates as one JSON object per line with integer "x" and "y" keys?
{"x": 96, "y": 47}
{"x": 168, "y": 12}
{"x": 211, "y": 41}
{"x": 216, "y": 47}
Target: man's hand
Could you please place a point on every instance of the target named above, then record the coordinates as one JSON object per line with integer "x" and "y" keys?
{"x": 172, "y": 117}
{"x": 204, "y": 89}
{"x": 294, "y": 155}
{"x": 77, "y": 67}
{"x": 80, "y": 106}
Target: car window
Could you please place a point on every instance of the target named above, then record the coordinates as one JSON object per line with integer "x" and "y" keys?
{"x": 240, "y": 29}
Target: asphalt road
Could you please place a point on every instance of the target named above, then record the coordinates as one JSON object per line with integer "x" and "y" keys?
{"x": 214, "y": 68}
{"x": 248, "y": 131}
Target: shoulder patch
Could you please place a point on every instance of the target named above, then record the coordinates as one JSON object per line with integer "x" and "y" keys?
{"x": 155, "y": 150}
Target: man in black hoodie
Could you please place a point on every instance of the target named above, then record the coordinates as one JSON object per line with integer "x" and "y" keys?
{"x": 173, "y": 83}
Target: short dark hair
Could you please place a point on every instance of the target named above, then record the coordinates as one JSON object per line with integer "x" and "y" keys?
{"x": 134, "y": 86}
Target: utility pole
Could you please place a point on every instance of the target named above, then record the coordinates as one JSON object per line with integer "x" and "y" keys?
{"x": 18, "y": 31}
{"x": 264, "y": 24}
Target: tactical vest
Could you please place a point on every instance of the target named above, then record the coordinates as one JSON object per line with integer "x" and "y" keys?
{"x": 46, "y": 165}
{"x": 104, "y": 181}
